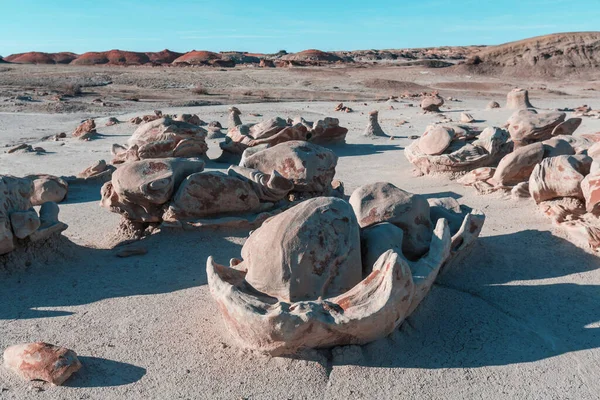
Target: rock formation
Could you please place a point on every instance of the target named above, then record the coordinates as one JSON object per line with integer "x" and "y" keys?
{"x": 309, "y": 287}
{"x": 465, "y": 151}
{"x": 234, "y": 118}
{"x": 48, "y": 188}
{"x": 432, "y": 102}
{"x": 373, "y": 128}
{"x": 518, "y": 99}
{"x": 42, "y": 361}
{"x": 86, "y": 131}
{"x": 20, "y": 224}
{"x": 163, "y": 138}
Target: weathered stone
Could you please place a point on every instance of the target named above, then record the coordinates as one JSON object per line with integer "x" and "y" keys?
{"x": 85, "y": 131}
{"x": 557, "y": 147}
{"x": 48, "y": 188}
{"x": 435, "y": 140}
{"x": 112, "y": 121}
{"x": 313, "y": 251}
{"x": 526, "y": 126}
{"x": 309, "y": 166}
{"x": 234, "y": 118}
{"x": 517, "y": 166}
{"x": 42, "y": 361}
{"x": 211, "y": 194}
{"x": 518, "y": 99}
{"x": 477, "y": 175}
{"x": 49, "y": 214}
{"x": 567, "y": 127}
{"x": 139, "y": 189}
{"x": 383, "y": 202}
{"x": 493, "y": 104}
{"x": 590, "y": 187}
{"x": 558, "y": 176}
{"x": 24, "y": 223}
{"x": 373, "y": 127}
{"x": 520, "y": 191}
{"x": 432, "y": 102}
{"x": 466, "y": 118}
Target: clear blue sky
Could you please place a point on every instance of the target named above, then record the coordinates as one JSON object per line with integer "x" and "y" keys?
{"x": 271, "y": 25}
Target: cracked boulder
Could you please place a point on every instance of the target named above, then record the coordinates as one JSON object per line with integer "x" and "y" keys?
{"x": 309, "y": 166}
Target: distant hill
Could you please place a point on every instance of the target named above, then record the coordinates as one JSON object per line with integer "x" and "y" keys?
{"x": 35, "y": 57}
{"x": 555, "y": 54}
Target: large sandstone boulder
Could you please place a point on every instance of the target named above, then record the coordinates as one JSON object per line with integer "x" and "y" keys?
{"x": 163, "y": 138}
{"x": 435, "y": 140}
{"x": 526, "y": 126}
{"x": 240, "y": 191}
{"x": 383, "y": 202}
{"x": 42, "y": 361}
{"x": 48, "y": 188}
{"x": 559, "y": 176}
{"x": 309, "y": 166}
{"x": 517, "y": 166}
{"x": 311, "y": 250}
{"x": 590, "y": 187}
{"x": 139, "y": 189}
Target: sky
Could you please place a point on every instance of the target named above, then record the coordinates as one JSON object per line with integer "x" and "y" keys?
{"x": 267, "y": 26}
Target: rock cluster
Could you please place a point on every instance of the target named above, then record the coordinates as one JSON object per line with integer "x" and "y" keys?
{"x": 162, "y": 138}
{"x": 276, "y": 130}
{"x": 448, "y": 148}
{"x": 336, "y": 273}
{"x": 19, "y": 222}
{"x": 177, "y": 193}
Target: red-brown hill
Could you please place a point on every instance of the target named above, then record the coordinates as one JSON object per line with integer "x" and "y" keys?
{"x": 197, "y": 57}
{"x": 35, "y": 57}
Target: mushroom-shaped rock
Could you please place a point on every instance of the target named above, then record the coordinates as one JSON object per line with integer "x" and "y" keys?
{"x": 309, "y": 166}
{"x": 373, "y": 127}
{"x": 234, "y": 118}
{"x": 518, "y": 99}
{"x": 432, "y": 102}
{"x": 313, "y": 251}
{"x": 163, "y": 129}
{"x": 327, "y": 130}
{"x": 86, "y": 130}
{"x": 48, "y": 188}
{"x": 558, "y": 176}
{"x": 517, "y": 166}
{"x": 42, "y": 361}
{"x": 112, "y": 121}
{"x": 435, "y": 140}
{"x": 526, "y": 126}
{"x": 139, "y": 189}
{"x": 383, "y": 202}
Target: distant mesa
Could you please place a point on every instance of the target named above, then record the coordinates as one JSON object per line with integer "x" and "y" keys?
{"x": 34, "y": 57}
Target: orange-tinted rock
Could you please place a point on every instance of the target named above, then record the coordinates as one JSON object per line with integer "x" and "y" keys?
{"x": 42, "y": 361}
{"x": 558, "y": 176}
{"x": 86, "y": 130}
{"x": 432, "y": 102}
{"x": 526, "y": 126}
{"x": 48, "y": 188}
{"x": 590, "y": 187}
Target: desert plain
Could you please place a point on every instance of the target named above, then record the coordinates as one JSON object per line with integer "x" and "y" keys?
{"x": 519, "y": 317}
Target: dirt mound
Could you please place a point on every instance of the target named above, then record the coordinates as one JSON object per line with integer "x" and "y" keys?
{"x": 112, "y": 57}
{"x": 396, "y": 86}
{"x": 163, "y": 57}
{"x": 312, "y": 55}
{"x": 197, "y": 58}
{"x": 35, "y": 57}
{"x": 240, "y": 58}
{"x": 546, "y": 53}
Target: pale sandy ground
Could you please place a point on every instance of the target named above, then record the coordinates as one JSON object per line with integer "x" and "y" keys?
{"x": 520, "y": 318}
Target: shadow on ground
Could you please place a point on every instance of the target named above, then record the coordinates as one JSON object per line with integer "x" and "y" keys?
{"x": 500, "y": 306}
{"x": 100, "y": 372}
{"x": 78, "y": 275}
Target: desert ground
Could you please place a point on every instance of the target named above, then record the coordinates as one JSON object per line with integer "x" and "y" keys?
{"x": 518, "y": 318}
